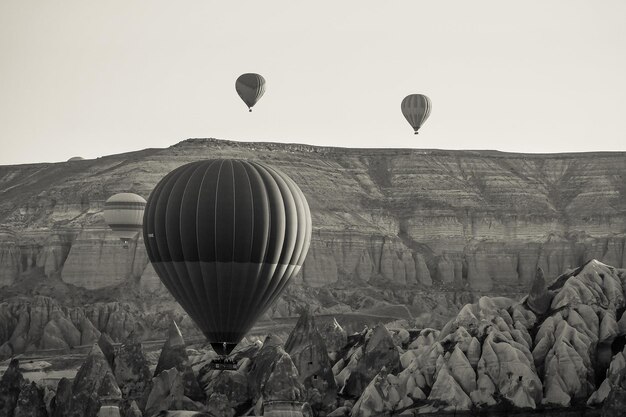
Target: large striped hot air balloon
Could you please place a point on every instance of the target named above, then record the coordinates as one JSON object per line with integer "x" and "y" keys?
{"x": 225, "y": 237}
{"x": 123, "y": 213}
{"x": 416, "y": 109}
{"x": 250, "y": 88}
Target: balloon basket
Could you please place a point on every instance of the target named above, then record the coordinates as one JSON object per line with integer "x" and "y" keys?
{"x": 223, "y": 363}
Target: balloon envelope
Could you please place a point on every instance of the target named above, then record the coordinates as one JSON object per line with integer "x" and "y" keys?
{"x": 225, "y": 237}
{"x": 123, "y": 213}
{"x": 250, "y": 88}
{"x": 416, "y": 109}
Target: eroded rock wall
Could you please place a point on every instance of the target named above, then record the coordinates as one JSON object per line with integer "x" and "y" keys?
{"x": 479, "y": 220}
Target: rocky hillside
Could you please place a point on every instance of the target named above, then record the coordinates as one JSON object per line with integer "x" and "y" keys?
{"x": 559, "y": 350}
{"x": 426, "y": 226}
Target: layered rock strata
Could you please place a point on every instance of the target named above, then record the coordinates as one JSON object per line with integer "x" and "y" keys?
{"x": 482, "y": 220}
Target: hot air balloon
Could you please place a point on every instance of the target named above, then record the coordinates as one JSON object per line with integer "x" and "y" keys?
{"x": 123, "y": 213}
{"x": 225, "y": 237}
{"x": 416, "y": 109}
{"x": 250, "y": 88}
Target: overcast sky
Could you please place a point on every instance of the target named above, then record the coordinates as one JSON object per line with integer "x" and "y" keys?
{"x": 93, "y": 78}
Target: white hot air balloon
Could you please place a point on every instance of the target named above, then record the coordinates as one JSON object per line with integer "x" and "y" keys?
{"x": 123, "y": 213}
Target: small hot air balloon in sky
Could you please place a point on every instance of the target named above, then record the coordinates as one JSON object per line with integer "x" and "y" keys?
{"x": 123, "y": 213}
{"x": 250, "y": 88}
{"x": 225, "y": 237}
{"x": 416, "y": 109}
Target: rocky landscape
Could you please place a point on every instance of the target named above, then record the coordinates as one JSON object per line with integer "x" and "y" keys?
{"x": 397, "y": 233}
{"x": 560, "y": 347}
{"x": 442, "y": 247}
{"x": 476, "y": 220}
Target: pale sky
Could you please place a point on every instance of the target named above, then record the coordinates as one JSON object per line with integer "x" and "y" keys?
{"x": 93, "y": 78}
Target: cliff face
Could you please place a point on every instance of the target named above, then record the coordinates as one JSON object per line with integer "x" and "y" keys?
{"x": 458, "y": 220}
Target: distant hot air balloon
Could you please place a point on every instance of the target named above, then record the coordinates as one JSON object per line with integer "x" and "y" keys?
{"x": 416, "y": 109}
{"x": 250, "y": 88}
{"x": 225, "y": 237}
{"x": 123, "y": 213}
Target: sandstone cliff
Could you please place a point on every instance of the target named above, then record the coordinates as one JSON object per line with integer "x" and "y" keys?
{"x": 420, "y": 220}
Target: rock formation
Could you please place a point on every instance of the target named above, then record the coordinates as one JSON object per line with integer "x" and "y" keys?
{"x": 274, "y": 380}
{"x": 133, "y": 410}
{"x": 539, "y": 298}
{"x": 433, "y": 232}
{"x": 106, "y": 346}
{"x": 62, "y": 401}
{"x": 93, "y": 385}
{"x": 167, "y": 393}
{"x": 132, "y": 373}
{"x": 30, "y": 403}
{"x": 496, "y": 353}
{"x": 363, "y": 361}
{"x": 412, "y": 219}
{"x": 11, "y": 384}
{"x": 335, "y": 338}
{"x": 43, "y": 323}
{"x": 263, "y": 365}
{"x": 230, "y": 392}
{"x": 382, "y": 396}
{"x": 174, "y": 355}
{"x": 307, "y": 350}
{"x": 97, "y": 259}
